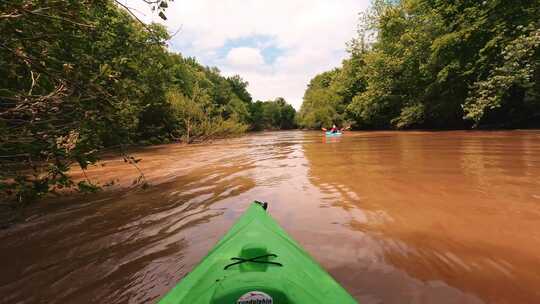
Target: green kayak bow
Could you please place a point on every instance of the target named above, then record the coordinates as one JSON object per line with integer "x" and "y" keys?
{"x": 257, "y": 262}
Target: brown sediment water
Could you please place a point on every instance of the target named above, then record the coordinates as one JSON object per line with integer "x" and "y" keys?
{"x": 395, "y": 217}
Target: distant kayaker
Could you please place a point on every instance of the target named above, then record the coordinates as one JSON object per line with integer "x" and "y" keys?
{"x": 334, "y": 129}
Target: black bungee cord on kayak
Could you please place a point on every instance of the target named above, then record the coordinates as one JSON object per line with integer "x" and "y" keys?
{"x": 254, "y": 260}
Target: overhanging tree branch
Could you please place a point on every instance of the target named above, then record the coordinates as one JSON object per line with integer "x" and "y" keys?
{"x": 134, "y": 16}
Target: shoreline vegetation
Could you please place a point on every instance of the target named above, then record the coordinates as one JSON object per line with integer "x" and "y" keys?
{"x": 429, "y": 64}
{"x": 82, "y": 77}
{"x": 79, "y": 77}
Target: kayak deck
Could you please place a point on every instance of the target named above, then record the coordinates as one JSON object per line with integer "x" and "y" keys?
{"x": 257, "y": 260}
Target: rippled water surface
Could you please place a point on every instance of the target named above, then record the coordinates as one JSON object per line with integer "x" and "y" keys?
{"x": 410, "y": 217}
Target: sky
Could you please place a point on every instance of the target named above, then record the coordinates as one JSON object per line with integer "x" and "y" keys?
{"x": 275, "y": 45}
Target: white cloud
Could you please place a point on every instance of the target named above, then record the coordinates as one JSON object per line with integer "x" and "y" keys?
{"x": 245, "y": 57}
{"x": 311, "y": 34}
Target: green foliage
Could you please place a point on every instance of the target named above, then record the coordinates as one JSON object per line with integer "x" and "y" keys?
{"x": 410, "y": 116}
{"x": 514, "y": 79}
{"x": 189, "y": 112}
{"x": 435, "y": 64}
{"x": 81, "y": 76}
{"x": 239, "y": 87}
{"x": 272, "y": 115}
{"x": 194, "y": 119}
{"x": 322, "y": 104}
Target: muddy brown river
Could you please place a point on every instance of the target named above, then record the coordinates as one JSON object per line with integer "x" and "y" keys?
{"x": 395, "y": 217}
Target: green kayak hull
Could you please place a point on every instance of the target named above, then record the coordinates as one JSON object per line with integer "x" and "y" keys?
{"x": 257, "y": 262}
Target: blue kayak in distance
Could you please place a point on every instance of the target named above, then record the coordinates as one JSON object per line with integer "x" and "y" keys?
{"x": 328, "y": 133}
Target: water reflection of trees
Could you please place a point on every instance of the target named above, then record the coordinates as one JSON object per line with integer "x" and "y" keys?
{"x": 438, "y": 204}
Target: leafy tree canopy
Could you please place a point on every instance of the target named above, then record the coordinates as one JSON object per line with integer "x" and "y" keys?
{"x": 435, "y": 64}
{"x": 82, "y": 76}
